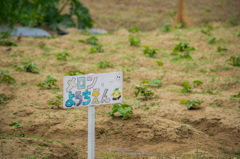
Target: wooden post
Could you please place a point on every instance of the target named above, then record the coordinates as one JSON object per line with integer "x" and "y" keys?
{"x": 180, "y": 12}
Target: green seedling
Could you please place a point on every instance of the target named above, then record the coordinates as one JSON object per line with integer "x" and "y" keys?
{"x": 236, "y": 96}
{"x": 93, "y": 40}
{"x": 208, "y": 10}
{"x": 233, "y": 21}
{"x": 62, "y": 56}
{"x": 159, "y": 63}
{"x": 166, "y": 27}
{"x": 105, "y": 64}
{"x": 5, "y": 35}
{"x": 143, "y": 91}
{"x": 50, "y": 83}
{"x": 207, "y": 30}
{"x": 234, "y": 60}
{"x": 191, "y": 104}
{"x": 134, "y": 29}
{"x": 187, "y": 88}
{"x": 5, "y": 78}
{"x": 182, "y": 47}
{"x": 42, "y": 45}
{"x": 17, "y": 127}
{"x": 3, "y": 97}
{"x": 178, "y": 26}
{"x": 57, "y": 102}
{"x": 5, "y": 42}
{"x": 96, "y": 48}
{"x": 124, "y": 109}
{"x": 209, "y": 70}
{"x": 73, "y": 73}
{"x": 238, "y": 33}
{"x": 134, "y": 41}
{"x": 28, "y": 67}
{"x": 182, "y": 55}
{"x": 212, "y": 40}
{"x": 220, "y": 49}
{"x": 155, "y": 82}
{"x": 150, "y": 51}
{"x": 137, "y": 104}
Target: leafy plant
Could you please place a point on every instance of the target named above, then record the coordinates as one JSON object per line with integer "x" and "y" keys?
{"x": 57, "y": 102}
{"x": 124, "y": 109}
{"x": 207, "y": 30}
{"x": 182, "y": 47}
{"x": 178, "y": 26}
{"x": 5, "y": 78}
{"x": 187, "y": 88}
{"x": 236, "y": 96}
{"x": 134, "y": 41}
{"x": 17, "y": 127}
{"x": 50, "y": 82}
{"x": 62, "y": 56}
{"x": 155, "y": 82}
{"x": 166, "y": 27}
{"x": 209, "y": 70}
{"x": 3, "y": 97}
{"x": 5, "y": 35}
{"x": 28, "y": 67}
{"x": 235, "y": 60}
{"x": 105, "y": 64}
{"x": 220, "y": 49}
{"x": 143, "y": 91}
{"x": 96, "y": 48}
{"x": 134, "y": 29}
{"x": 5, "y": 42}
{"x": 76, "y": 72}
{"x": 234, "y": 21}
{"x": 212, "y": 40}
{"x": 160, "y": 63}
{"x": 42, "y": 45}
{"x": 191, "y": 104}
{"x": 44, "y": 12}
{"x": 238, "y": 33}
{"x": 93, "y": 40}
{"x": 182, "y": 55}
{"x": 150, "y": 51}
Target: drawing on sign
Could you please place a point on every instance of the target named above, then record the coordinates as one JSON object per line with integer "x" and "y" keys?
{"x": 94, "y": 89}
{"x": 116, "y": 94}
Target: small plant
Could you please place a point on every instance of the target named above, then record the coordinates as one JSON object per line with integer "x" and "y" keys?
{"x": 93, "y": 40}
{"x": 182, "y": 55}
{"x": 73, "y": 73}
{"x": 191, "y": 104}
{"x": 57, "y": 102}
{"x": 96, "y": 48}
{"x": 238, "y": 33}
{"x": 209, "y": 70}
{"x": 28, "y": 67}
{"x": 178, "y": 26}
{"x": 220, "y": 49}
{"x": 235, "y": 61}
{"x": 42, "y": 45}
{"x": 50, "y": 82}
{"x": 134, "y": 29}
{"x": 124, "y": 109}
{"x": 5, "y": 42}
{"x": 5, "y": 78}
{"x": 5, "y": 35}
{"x": 3, "y": 97}
{"x": 62, "y": 56}
{"x": 17, "y": 127}
{"x": 134, "y": 41}
{"x": 234, "y": 21}
{"x": 150, "y": 51}
{"x": 143, "y": 91}
{"x": 212, "y": 40}
{"x": 155, "y": 82}
{"x": 236, "y": 96}
{"x": 166, "y": 27}
{"x": 182, "y": 47}
{"x": 207, "y": 30}
{"x": 159, "y": 63}
{"x": 105, "y": 64}
{"x": 187, "y": 88}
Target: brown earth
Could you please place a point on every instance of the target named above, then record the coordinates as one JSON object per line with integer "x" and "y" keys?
{"x": 164, "y": 128}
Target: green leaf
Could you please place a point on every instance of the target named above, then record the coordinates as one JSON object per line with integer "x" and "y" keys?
{"x": 160, "y": 63}
{"x": 145, "y": 81}
{"x": 137, "y": 104}
{"x": 182, "y": 101}
{"x": 198, "y": 82}
{"x": 13, "y": 124}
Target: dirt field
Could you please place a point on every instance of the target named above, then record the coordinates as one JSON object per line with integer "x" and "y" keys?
{"x": 162, "y": 128}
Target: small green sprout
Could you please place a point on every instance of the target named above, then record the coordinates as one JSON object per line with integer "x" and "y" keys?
{"x": 134, "y": 29}
{"x": 182, "y": 47}
{"x": 187, "y": 88}
{"x": 191, "y": 104}
{"x": 155, "y": 82}
{"x": 238, "y": 33}
{"x": 207, "y": 30}
{"x": 220, "y": 49}
{"x": 28, "y": 67}
{"x": 150, "y": 51}
{"x": 159, "y": 63}
{"x": 3, "y": 97}
{"x": 18, "y": 127}
{"x": 57, "y": 102}
{"x": 134, "y": 41}
{"x": 5, "y": 78}
{"x": 93, "y": 40}
{"x": 143, "y": 91}
{"x": 105, "y": 64}
{"x": 5, "y": 42}
{"x": 62, "y": 56}
{"x": 124, "y": 109}
{"x": 235, "y": 61}
{"x": 96, "y": 48}
{"x": 50, "y": 83}
{"x": 76, "y": 72}
{"x": 236, "y": 96}
{"x": 212, "y": 40}
{"x": 166, "y": 27}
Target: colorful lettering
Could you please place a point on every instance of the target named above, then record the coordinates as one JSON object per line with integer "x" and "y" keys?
{"x": 86, "y": 96}
{"x": 81, "y": 83}
{"x": 93, "y": 83}
{"x": 78, "y": 96}
{"x": 95, "y": 94}
{"x": 104, "y": 97}
{"x": 70, "y": 102}
{"x": 71, "y": 84}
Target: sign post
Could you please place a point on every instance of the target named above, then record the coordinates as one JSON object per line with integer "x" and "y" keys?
{"x": 91, "y": 90}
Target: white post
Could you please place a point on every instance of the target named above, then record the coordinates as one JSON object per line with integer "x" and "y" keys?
{"x": 91, "y": 131}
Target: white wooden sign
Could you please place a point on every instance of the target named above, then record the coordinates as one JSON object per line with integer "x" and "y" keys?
{"x": 92, "y": 89}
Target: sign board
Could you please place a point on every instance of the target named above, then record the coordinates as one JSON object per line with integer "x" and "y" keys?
{"x": 92, "y": 89}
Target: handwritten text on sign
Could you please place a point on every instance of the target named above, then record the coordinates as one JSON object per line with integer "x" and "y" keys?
{"x": 92, "y": 89}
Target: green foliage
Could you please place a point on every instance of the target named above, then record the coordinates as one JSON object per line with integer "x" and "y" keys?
{"x": 160, "y": 63}
{"x": 124, "y": 109}
{"x": 5, "y": 78}
{"x": 236, "y": 96}
{"x": 134, "y": 29}
{"x": 134, "y": 41}
{"x": 187, "y": 88}
{"x": 207, "y": 30}
{"x": 17, "y": 127}
{"x": 155, "y": 82}
{"x": 5, "y": 35}
{"x": 76, "y": 72}
{"x": 234, "y": 21}
{"x": 62, "y": 56}
{"x": 178, "y": 26}
{"x": 50, "y": 82}
{"x": 36, "y": 13}
{"x": 166, "y": 27}
{"x": 42, "y": 45}
{"x": 57, "y": 102}
{"x": 3, "y": 97}
{"x": 182, "y": 55}
{"x": 220, "y": 49}
{"x": 150, "y": 51}
{"x": 93, "y": 40}
{"x": 191, "y": 104}
{"x": 105, "y": 64}
{"x": 28, "y": 67}
{"x": 96, "y": 48}
{"x": 182, "y": 47}
{"x": 143, "y": 91}
{"x": 212, "y": 40}
{"x": 208, "y": 10}
{"x": 5, "y": 42}
{"x": 238, "y": 33}
{"x": 209, "y": 70}
{"x": 235, "y": 60}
